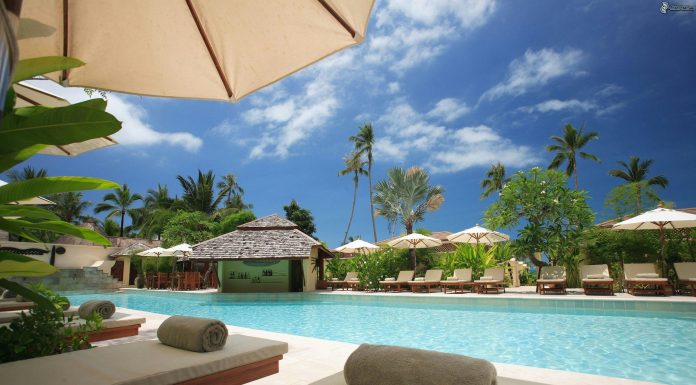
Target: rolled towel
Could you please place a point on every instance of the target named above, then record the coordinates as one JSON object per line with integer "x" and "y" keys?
{"x": 486, "y": 278}
{"x": 419, "y": 279}
{"x": 104, "y": 308}
{"x": 597, "y": 276}
{"x": 193, "y": 333}
{"x": 390, "y": 279}
{"x": 648, "y": 275}
{"x": 452, "y": 279}
{"x": 394, "y": 365}
{"x": 353, "y": 279}
{"x": 334, "y": 279}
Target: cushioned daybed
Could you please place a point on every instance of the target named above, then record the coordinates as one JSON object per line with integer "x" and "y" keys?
{"x": 492, "y": 281}
{"x": 432, "y": 278}
{"x": 596, "y": 279}
{"x": 117, "y": 326}
{"x": 399, "y": 282}
{"x": 14, "y": 305}
{"x": 641, "y": 278}
{"x": 553, "y": 279}
{"x": 243, "y": 359}
{"x": 460, "y": 281}
{"x": 686, "y": 277}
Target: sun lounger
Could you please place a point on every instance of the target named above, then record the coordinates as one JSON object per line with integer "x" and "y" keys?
{"x": 432, "y": 278}
{"x": 8, "y": 316}
{"x": 642, "y": 278}
{"x": 596, "y": 279}
{"x": 686, "y": 277}
{"x": 399, "y": 282}
{"x": 14, "y": 305}
{"x": 492, "y": 281}
{"x": 553, "y": 279}
{"x": 118, "y": 326}
{"x": 243, "y": 359}
{"x": 350, "y": 281}
{"x": 460, "y": 281}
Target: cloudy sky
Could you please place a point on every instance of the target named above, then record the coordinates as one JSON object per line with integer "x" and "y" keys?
{"x": 452, "y": 86}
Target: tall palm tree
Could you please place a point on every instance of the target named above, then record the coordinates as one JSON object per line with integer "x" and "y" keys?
{"x": 495, "y": 180}
{"x": 406, "y": 196}
{"x": 120, "y": 202}
{"x": 354, "y": 165}
{"x": 568, "y": 147}
{"x": 158, "y": 208}
{"x": 69, "y": 206}
{"x": 199, "y": 194}
{"x": 230, "y": 188}
{"x": 364, "y": 142}
{"x": 636, "y": 172}
{"x": 27, "y": 172}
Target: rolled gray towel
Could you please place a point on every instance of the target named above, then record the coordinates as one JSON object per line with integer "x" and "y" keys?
{"x": 394, "y": 365}
{"x": 104, "y": 308}
{"x": 193, "y": 333}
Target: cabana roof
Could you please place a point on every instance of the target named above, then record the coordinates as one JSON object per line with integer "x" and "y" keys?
{"x": 133, "y": 249}
{"x": 270, "y": 237}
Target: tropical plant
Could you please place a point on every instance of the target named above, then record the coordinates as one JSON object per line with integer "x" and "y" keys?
{"x": 376, "y": 266}
{"x": 230, "y": 189}
{"x": 199, "y": 194}
{"x": 405, "y": 197}
{"x": 157, "y": 210}
{"x": 301, "y": 217}
{"x": 69, "y": 206}
{"x": 120, "y": 202}
{"x": 23, "y": 133}
{"x": 364, "y": 142}
{"x": 354, "y": 165}
{"x": 336, "y": 268}
{"x": 495, "y": 180}
{"x": 635, "y": 172}
{"x": 230, "y": 222}
{"x": 568, "y": 147}
{"x": 468, "y": 256}
{"x": 112, "y": 228}
{"x": 552, "y": 217}
{"x": 27, "y": 172}
{"x": 187, "y": 227}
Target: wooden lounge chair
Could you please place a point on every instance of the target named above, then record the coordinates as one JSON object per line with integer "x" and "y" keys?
{"x": 686, "y": 277}
{"x": 596, "y": 279}
{"x": 350, "y": 281}
{"x": 242, "y": 360}
{"x": 432, "y": 278}
{"x": 494, "y": 285}
{"x": 553, "y": 279}
{"x": 461, "y": 280}
{"x": 399, "y": 282}
{"x": 642, "y": 278}
{"x": 118, "y": 325}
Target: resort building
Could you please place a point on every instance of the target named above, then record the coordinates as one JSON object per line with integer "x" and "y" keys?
{"x": 269, "y": 254}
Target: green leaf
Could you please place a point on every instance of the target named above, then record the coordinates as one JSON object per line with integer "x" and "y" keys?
{"x": 56, "y": 126}
{"x": 11, "y": 159}
{"x": 11, "y": 226}
{"x": 17, "y": 265}
{"x": 22, "y": 190}
{"x": 26, "y": 211}
{"x": 61, "y": 228}
{"x": 28, "y": 68}
{"x": 10, "y": 100}
{"x": 25, "y": 292}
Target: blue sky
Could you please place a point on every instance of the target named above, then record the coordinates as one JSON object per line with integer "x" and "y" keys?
{"x": 452, "y": 86}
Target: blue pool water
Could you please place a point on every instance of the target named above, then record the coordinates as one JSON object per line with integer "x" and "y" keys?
{"x": 647, "y": 345}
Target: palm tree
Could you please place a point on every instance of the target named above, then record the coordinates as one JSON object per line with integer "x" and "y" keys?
{"x": 232, "y": 191}
{"x": 354, "y": 164}
{"x": 158, "y": 208}
{"x": 364, "y": 142}
{"x": 27, "y": 172}
{"x": 69, "y": 206}
{"x": 636, "y": 172}
{"x": 495, "y": 180}
{"x": 568, "y": 147}
{"x": 406, "y": 196}
{"x": 119, "y": 202}
{"x": 199, "y": 194}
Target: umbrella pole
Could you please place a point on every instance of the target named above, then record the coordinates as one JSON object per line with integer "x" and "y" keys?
{"x": 662, "y": 252}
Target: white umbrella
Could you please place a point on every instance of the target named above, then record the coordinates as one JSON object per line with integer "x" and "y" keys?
{"x": 154, "y": 252}
{"x": 181, "y": 250}
{"x": 358, "y": 246}
{"x": 478, "y": 234}
{"x": 414, "y": 241}
{"x": 659, "y": 219}
{"x": 30, "y": 201}
{"x": 221, "y": 50}
{"x": 28, "y": 95}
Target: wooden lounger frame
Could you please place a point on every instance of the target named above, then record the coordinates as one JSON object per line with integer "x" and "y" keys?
{"x": 239, "y": 375}
{"x": 24, "y": 306}
{"x": 690, "y": 287}
{"x": 598, "y": 287}
{"x": 394, "y": 286}
{"x": 654, "y": 287}
{"x": 553, "y": 287}
{"x": 454, "y": 285}
{"x": 426, "y": 285}
{"x": 113, "y": 333}
{"x": 483, "y": 287}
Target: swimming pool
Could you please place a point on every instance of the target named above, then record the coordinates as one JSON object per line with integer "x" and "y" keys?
{"x": 630, "y": 339}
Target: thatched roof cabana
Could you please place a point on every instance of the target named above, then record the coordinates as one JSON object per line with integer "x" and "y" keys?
{"x": 269, "y": 237}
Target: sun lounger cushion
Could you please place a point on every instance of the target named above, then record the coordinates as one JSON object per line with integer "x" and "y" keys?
{"x": 597, "y": 276}
{"x": 138, "y": 363}
{"x": 193, "y": 333}
{"x": 394, "y": 365}
{"x": 353, "y": 279}
{"x": 117, "y": 320}
{"x": 105, "y": 309}
{"x": 452, "y": 279}
{"x": 334, "y": 279}
{"x": 685, "y": 270}
{"x": 419, "y": 279}
{"x": 14, "y": 305}
{"x": 647, "y": 275}
{"x": 486, "y": 278}
{"x": 390, "y": 279}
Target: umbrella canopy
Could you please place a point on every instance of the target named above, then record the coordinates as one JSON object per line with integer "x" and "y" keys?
{"x": 221, "y": 50}
{"x": 414, "y": 241}
{"x": 154, "y": 252}
{"x": 478, "y": 234}
{"x": 182, "y": 250}
{"x": 358, "y": 246}
{"x": 31, "y": 201}
{"x": 32, "y": 96}
{"x": 658, "y": 219}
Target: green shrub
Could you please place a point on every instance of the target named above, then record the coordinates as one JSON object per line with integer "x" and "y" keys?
{"x": 474, "y": 257}
{"x": 376, "y": 266}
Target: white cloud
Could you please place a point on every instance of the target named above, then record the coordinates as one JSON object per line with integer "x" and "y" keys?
{"x": 135, "y": 130}
{"x": 449, "y": 109}
{"x": 603, "y": 102}
{"x": 535, "y": 69}
{"x": 362, "y": 117}
{"x": 559, "y": 105}
{"x": 393, "y": 87}
{"x": 277, "y": 113}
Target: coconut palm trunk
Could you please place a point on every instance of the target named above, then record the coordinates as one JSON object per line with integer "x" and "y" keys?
{"x": 352, "y": 210}
{"x": 372, "y": 206}
{"x": 123, "y": 219}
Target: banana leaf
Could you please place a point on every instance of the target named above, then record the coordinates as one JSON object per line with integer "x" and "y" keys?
{"x": 17, "y": 265}
{"x": 17, "y": 226}
{"x": 30, "y": 188}
{"x": 25, "y": 292}
{"x": 25, "y": 211}
{"x": 28, "y": 68}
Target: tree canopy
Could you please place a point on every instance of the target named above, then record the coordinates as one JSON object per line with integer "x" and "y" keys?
{"x": 301, "y": 217}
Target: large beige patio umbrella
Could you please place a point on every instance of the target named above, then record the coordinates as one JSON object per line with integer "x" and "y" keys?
{"x": 478, "y": 234}
{"x": 222, "y": 50}
{"x": 659, "y": 219}
{"x": 357, "y": 247}
{"x": 28, "y": 95}
{"x": 414, "y": 241}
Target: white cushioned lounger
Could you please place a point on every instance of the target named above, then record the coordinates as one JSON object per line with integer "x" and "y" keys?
{"x": 150, "y": 363}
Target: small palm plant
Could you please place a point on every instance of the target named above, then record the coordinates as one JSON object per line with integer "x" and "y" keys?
{"x": 635, "y": 173}
{"x": 568, "y": 148}
{"x": 120, "y": 202}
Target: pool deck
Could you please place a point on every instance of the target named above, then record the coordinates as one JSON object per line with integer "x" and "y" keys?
{"x": 311, "y": 359}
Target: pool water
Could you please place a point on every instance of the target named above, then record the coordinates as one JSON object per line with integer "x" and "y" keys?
{"x": 650, "y": 346}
